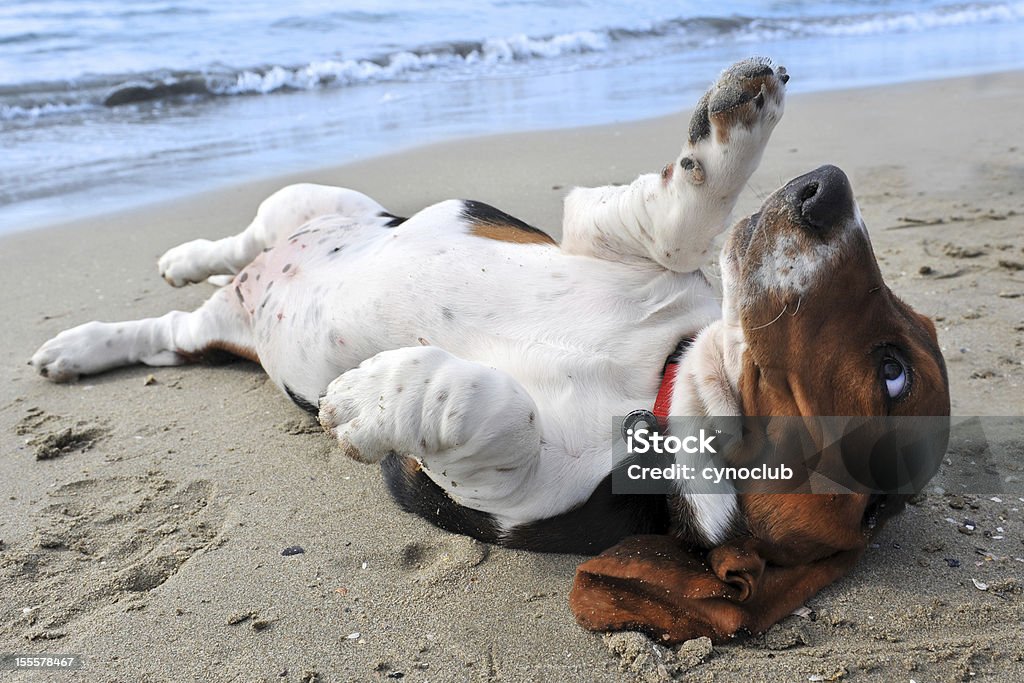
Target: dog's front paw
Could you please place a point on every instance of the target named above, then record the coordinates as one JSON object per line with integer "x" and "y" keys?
{"x": 749, "y": 94}
{"x": 378, "y": 407}
{"x": 186, "y": 263}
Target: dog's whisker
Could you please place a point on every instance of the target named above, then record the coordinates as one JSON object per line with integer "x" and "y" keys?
{"x": 775, "y": 320}
{"x": 760, "y": 194}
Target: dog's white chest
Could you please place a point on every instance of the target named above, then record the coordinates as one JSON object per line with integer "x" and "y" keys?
{"x": 571, "y": 327}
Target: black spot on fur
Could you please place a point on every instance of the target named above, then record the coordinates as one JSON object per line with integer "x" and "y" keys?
{"x": 243, "y": 277}
{"x": 478, "y": 212}
{"x": 395, "y": 220}
{"x": 700, "y": 124}
{"x": 286, "y": 268}
{"x": 238, "y": 292}
{"x": 596, "y": 525}
{"x": 301, "y": 402}
{"x": 447, "y": 313}
{"x": 415, "y": 492}
{"x": 682, "y": 346}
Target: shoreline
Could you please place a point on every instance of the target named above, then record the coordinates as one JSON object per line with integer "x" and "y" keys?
{"x": 152, "y": 544}
{"x": 326, "y": 171}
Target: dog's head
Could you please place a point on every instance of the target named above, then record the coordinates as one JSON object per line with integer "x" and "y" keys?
{"x": 809, "y": 329}
{"x": 823, "y": 335}
{"x": 822, "y": 332}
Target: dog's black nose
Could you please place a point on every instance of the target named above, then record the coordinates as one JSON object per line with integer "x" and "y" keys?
{"x": 823, "y": 197}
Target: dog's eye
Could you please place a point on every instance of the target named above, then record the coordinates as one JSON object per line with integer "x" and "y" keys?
{"x": 894, "y": 374}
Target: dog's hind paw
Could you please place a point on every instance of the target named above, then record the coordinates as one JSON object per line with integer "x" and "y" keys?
{"x": 72, "y": 353}
{"x": 186, "y": 263}
{"x": 51, "y": 362}
{"x": 97, "y": 346}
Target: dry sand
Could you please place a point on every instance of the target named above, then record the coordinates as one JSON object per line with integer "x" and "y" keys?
{"x": 150, "y": 541}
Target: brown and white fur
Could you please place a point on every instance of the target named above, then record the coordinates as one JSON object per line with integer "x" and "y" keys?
{"x": 481, "y": 362}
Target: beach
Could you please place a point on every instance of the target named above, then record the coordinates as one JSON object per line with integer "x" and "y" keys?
{"x": 146, "y": 510}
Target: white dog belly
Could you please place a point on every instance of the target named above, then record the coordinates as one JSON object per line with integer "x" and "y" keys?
{"x": 583, "y": 336}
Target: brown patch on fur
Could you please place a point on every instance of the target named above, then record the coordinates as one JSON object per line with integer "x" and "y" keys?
{"x": 236, "y": 350}
{"x": 722, "y": 129}
{"x": 354, "y": 453}
{"x": 510, "y": 233}
{"x": 219, "y": 352}
{"x": 666, "y": 173}
{"x": 491, "y": 223}
{"x": 745, "y": 114}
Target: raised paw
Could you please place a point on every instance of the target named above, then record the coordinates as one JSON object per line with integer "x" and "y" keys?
{"x": 186, "y": 263}
{"x": 750, "y": 93}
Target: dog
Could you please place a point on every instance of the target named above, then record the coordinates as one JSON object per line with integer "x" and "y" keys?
{"x": 479, "y": 362}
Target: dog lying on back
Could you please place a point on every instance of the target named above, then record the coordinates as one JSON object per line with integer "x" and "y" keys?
{"x": 480, "y": 362}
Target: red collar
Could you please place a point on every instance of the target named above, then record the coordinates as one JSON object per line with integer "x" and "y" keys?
{"x": 663, "y": 403}
{"x": 658, "y": 417}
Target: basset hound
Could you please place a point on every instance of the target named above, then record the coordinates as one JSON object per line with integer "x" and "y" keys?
{"x": 480, "y": 362}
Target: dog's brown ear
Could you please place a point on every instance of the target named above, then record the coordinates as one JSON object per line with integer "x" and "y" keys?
{"x": 654, "y": 585}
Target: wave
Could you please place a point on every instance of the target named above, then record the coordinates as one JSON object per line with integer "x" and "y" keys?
{"x": 32, "y": 101}
{"x": 10, "y": 112}
{"x": 749, "y": 29}
{"x": 400, "y": 64}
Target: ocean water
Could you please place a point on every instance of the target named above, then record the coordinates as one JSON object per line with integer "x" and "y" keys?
{"x": 110, "y": 103}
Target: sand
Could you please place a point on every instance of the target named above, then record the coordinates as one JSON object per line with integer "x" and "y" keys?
{"x": 145, "y": 511}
